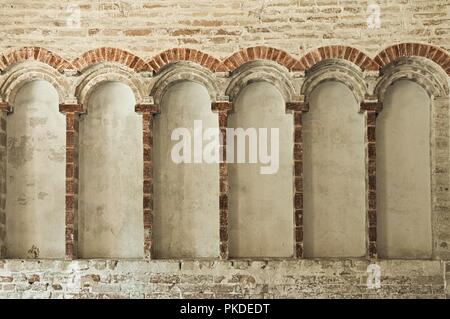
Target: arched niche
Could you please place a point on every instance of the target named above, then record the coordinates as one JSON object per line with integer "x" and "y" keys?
{"x": 35, "y": 176}
{"x": 261, "y": 205}
{"x": 186, "y": 195}
{"x": 403, "y": 173}
{"x": 334, "y": 194}
{"x": 110, "y": 175}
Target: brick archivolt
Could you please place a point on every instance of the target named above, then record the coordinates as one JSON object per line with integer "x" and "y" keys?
{"x": 185, "y": 71}
{"x": 158, "y": 62}
{"x": 335, "y": 70}
{"x": 262, "y": 71}
{"x": 420, "y": 70}
{"x": 108, "y": 71}
{"x": 19, "y": 74}
{"x": 294, "y": 77}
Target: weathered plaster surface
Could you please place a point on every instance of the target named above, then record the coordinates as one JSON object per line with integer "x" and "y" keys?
{"x": 110, "y": 191}
{"x": 334, "y": 174}
{"x": 403, "y": 173}
{"x": 261, "y": 204}
{"x": 35, "y": 176}
{"x": 186, "y": 211}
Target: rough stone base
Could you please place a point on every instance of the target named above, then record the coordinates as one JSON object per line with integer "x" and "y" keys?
{"x": 220, "y": 279}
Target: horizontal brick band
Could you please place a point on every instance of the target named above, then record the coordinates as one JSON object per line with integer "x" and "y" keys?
{"x": 71, "y": 108}
{"x": 221, "y": 106}
{"x": 296, "y": 106}
{"x": 371, "y": 106}
{"x": 146, "y": 108}
{"x": 232, "y": 62}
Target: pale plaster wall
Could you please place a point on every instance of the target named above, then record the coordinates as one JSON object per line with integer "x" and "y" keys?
{"x": 186, "y": 195}
{"x": 261, "y": 206}
{"x": 35, "y": 205}
{"x": 334, "y": 174}
{"x": 403, "y": 173}
{"x": 111, "y": 178}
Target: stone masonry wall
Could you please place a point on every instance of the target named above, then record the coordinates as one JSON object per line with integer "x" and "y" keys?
{"x": 303, "y": 32}
{"x": 220, "y": 279}
{"x": 219, "y": 27}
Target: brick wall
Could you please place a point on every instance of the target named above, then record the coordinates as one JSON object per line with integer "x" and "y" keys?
{"x": 303, "y": 32}
{"x": 220, "y": 279}
{"x": 219, "y": 27}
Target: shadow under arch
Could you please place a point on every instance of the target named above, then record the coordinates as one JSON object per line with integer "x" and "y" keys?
{"x": 103, "y": 72}
{"x": 334, "y": 70}
{"x": 261, "y": 71}
{"x": 184, "y": 71}
{"x": 28, "y": 71}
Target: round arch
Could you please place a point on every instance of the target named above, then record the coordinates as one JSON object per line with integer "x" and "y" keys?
{"x": 27, "y": 71}
{"x": 420, "y": 70}
{"x": 108, "y": 72}
{"x": 184, "y": 71}
{"x": 335, "y": 70}
{"x": 261, "y": 71}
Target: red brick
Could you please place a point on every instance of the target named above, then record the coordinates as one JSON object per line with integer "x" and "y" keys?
{"x": 298, "y": 234}
{"x": 298, "y": 201}
{"x": 298, "y": 168}
{"x": 111, "y": 54}
{"x": 299, "y": 250}
{"x": 35, "y": 53}
{"x": 223, "y": 234}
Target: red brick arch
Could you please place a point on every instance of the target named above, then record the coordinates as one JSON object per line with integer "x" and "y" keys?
{"x": 348, "y": 53}
{"x": 184, "y": 54}
{"x": 261, "y": 53}
{"x": 231, "y": 63}
{"x": 111, "y": 55}
{"x": 438, "y": 55}
{"x": 34, "y": 53}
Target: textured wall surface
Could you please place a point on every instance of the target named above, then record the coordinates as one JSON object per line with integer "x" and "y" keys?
{"x": 220, "y": 279}
{"x": 110, "y": 205}
{"x": 286, "y": 37}
{"x": 219, "y": 27}
{"x": 334, "y": 174}
{"x": 186, "y": 205}
{"x": 403, "y": 132}
{"x": 35, "y": 174}
{"x": 261, "y": 204}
